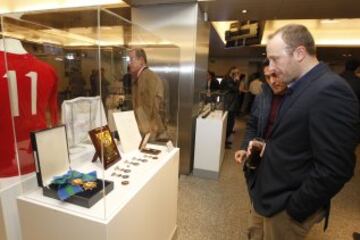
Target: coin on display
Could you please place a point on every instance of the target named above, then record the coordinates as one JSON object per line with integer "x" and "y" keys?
{"x": 125, "y": 182}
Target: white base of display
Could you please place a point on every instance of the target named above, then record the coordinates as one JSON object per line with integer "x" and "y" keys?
{"x": 209, "y": 145}
{"x": 10, "y": 189}
{"x": 144, "y": 209}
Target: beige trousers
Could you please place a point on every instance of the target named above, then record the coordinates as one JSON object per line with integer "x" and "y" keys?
{"x": 280, "y": 226}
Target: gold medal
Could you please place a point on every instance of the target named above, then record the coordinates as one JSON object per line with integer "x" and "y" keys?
{"x": 89, "y": 185}
{"x": 77, "y": 181}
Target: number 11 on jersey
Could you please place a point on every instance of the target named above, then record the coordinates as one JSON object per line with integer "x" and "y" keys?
{"x": 13, "y": 90}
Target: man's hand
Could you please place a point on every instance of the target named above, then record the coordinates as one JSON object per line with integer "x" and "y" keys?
{"x": 240, "y": 156}
{"x": 256, "y": 144}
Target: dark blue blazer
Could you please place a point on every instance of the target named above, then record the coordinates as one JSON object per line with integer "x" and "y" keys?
{"x": 310, "y": 153}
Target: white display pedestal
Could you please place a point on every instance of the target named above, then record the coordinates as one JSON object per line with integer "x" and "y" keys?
{"x": 209, "y": 144}
{"x": 10, "y": 189}
{"x": 144, "y": 209}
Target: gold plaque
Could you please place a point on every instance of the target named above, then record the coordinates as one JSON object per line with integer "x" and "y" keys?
{"x": 105, "y": 146}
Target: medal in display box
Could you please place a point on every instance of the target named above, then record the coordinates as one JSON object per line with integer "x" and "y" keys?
{"x": 51, "y": 155}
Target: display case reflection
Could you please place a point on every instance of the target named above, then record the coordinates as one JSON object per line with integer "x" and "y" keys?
{"x": 86, "y": 52}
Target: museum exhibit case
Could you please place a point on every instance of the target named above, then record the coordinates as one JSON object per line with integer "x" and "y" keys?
{"x": 210, "y": 101}
{"x": 209, "y": 148}
{"x": 63, "y": 76}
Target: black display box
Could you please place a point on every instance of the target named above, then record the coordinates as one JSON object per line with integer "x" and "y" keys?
{"x": 85, "y": 199}
{"x": 51, "y": 155}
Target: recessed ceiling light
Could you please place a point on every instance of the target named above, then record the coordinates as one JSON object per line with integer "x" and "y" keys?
{"x": 244, "y": 11}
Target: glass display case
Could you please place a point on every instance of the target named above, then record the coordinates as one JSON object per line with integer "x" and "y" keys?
{"x": 65, "y": 73}
{"x": 211, "y": 101}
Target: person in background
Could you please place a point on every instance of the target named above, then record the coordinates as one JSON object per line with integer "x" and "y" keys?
{"x": 93, "y": 82}
{"x": 350, "y": 75}
{"x": 242, "y": 92}
{"x": 77, "y": 83}
{"x": 212, "y": 84}
{"x": 230, "y": 86}
{"x": 104, "y": 83}
{"x": 148, "y": 96}
{"x": 127, "y": 82}
{"x": 308, "y": 151}
{"x": 255, "y": 85}
{"x": 351, "y": 66}
{"x": 254, "y": 89}
{"x": 96, "y": 85}
{"x": 247, "y": 96}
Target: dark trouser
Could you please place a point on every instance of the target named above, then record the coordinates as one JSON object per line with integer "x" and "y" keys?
{"x": 230, "y": 123}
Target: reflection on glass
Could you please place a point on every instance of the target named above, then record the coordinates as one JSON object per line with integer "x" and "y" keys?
{"x": 59, "y": 67}
{"x": 71, "y": 67}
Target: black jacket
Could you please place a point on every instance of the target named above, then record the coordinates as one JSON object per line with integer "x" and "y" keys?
{"x": 353, "y": 81}
{"x": 231, "y": 90}
{"x": 259, "y": 115}
{"x": 310, "y": 153}
{"x": 214, "y": 85}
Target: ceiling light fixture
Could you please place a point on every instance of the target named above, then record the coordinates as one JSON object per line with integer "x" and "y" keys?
{"x": 11, "y": 6}
{"x": 342, "y": 32}
{"x": 326, "y": 21}
{"x": 244, "y": 11}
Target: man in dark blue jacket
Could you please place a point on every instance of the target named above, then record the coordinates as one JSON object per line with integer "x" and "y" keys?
{"x": 260, "y": 121}
{"x": 308, "y": 153}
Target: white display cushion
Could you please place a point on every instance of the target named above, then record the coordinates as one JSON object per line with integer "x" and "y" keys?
{"x": 51, "y": 153}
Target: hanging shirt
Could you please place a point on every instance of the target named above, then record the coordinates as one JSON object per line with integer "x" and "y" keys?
{"x": 28, "y": 88}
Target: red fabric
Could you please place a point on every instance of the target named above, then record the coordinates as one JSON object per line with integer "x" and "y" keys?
{"x": 275, "y": 105}
{"x": 26, "y": 122}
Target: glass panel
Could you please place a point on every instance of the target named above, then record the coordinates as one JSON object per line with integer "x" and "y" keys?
{"x": 9, "y": 170}
{"x": 74, "y": 69}
{"x": 163, "y": 61}
{"x": 46, "y": 69}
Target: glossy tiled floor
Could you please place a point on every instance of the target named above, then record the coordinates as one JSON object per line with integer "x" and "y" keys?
{"x": 218, "y": 210}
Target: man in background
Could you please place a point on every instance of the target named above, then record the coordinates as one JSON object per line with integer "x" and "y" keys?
{"x": 350, "y": 76}
{"x": 260, "y": 121}
{"x": 230, "y": 86}
{"x": 148, "y": 96}
{"x": 212, "y": 84}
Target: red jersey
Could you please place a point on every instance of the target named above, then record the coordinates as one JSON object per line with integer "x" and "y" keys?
{"x": 28, "y": 88}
